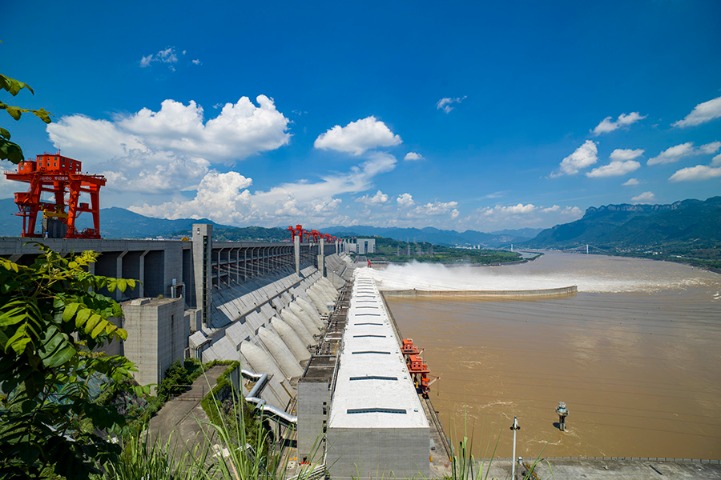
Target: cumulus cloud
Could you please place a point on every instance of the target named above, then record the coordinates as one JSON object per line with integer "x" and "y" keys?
{"x": 701, "y": 113}
{"x": 412, "y": 156}
{"x": 405, "y": 200}
{"x": 512, "y": 209}
{"x": 608, "y": 125}
{"x": 358, "y": 137}
{"x": 622, "y": 162}
{"x": 584, "y": 156}
{"x": 525, "y": 215}
{"x": 378, "y": 199}
{"x": 437, "y": 208}
{"x": 447, "y": 103}
{"x": 645, "y": 197}
{"x": 631, "y": 182}
{"x": 173, "y": 148}
{"x": 677, "y": 152}
{"x": 697, "y": 173}
{"x": 235, "y": 204}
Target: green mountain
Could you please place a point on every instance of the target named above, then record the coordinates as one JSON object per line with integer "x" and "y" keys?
{"x": 437, "y": 236}
{"x": 688, "y": 231}
{"x": 121, "y": 223}
{"x": 692, "y": 221}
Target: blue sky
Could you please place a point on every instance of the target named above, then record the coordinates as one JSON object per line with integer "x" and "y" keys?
{"x": 462, "y": 115}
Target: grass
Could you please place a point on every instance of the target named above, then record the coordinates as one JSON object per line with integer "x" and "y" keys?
{"x": 237, "y": 445}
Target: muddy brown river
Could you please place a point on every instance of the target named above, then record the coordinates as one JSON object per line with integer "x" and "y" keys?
{"x": 636, "y": 356}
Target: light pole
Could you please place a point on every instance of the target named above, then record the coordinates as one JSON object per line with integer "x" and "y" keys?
{"x": 514, "y": 427}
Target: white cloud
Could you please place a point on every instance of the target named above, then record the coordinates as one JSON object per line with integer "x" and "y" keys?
{"x": 645, "y": 197}
{"x": 683, "y": 150}
{"x": 631, "y": 182}
{"x": 446, "y": 103}
{"x": 716, "y": 161}
{"x": 167, "y": 56}
{"x": 623, "y": 161}
{"x": 357, "y": 137}
{"x": 699, "y": 172}
{"x": 171, "y": 149}
{"x": 405, "y": 200}
{"x": 616, "y": 168}
{"x": 378, "y": 199}
{"x": 608, "y": 125}
{"x": 702, "y": 113}
{"x": 625, "y": 154}
{"x": 436, "y": 208}
{"x": 524, "y": 215}
{"x": 584, "y": 156}
{"x": 412, "y": 156}
{"x": 710, "y": 148}
{"x": 511, "y": 209}
{"x": 235, "y": 204}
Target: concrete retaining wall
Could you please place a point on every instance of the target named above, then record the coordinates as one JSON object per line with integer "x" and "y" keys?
{"x": 510, "y": 294}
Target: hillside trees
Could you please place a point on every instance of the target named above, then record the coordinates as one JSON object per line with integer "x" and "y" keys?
{"x": 52, "y": 320}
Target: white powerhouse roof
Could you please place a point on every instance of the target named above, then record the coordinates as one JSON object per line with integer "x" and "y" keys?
{"x": 373, "y": 389}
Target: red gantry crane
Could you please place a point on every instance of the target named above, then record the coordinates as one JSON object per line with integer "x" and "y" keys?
{"x": 59, "y": 176}
{"x": 419, "y": 371}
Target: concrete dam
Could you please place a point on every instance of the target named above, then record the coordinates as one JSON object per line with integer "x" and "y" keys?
{"x": 318, "y": 348}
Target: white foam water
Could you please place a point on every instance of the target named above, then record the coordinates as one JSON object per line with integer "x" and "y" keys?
{"x": 590, "y": 273}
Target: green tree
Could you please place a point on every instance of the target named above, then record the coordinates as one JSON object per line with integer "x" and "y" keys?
{"x": 52, "y": 321}
{"x": 11, "y": 150}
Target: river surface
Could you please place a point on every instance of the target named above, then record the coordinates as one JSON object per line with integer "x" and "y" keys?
{"x": 636, "y": 355}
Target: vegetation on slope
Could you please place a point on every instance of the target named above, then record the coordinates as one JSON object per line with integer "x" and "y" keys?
{"x": 688, "y": 231}
{"x": 394, "y": 251}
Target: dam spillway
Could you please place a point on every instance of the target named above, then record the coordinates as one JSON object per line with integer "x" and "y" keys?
{"x": 281, "y": 312}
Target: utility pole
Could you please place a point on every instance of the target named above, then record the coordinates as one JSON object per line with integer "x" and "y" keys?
{"x": 515, "y": 427}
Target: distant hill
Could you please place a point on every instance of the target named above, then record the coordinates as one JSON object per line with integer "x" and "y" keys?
{"x": 689, "y": 221}
{"x": 437, "y": 236}
{"x": 121, "y": 223}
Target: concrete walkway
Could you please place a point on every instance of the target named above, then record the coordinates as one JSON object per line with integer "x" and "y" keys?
{"x": 611, "y": 469}
{"x": 182, "y": 420}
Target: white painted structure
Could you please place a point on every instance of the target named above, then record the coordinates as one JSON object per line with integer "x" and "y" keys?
{"x": 377, "y": 425}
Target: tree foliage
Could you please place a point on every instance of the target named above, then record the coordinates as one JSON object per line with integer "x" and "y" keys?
{"x": 52, "y": 320}
{"x": 10, "y": 150}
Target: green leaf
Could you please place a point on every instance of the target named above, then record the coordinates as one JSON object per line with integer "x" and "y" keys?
{"x": 70, "y": 311}
{"x": 82, "y": 317}
{"x": 99, "y": 328}
{"x": 92, "y": 323}
{"x": 13, "y": 86}
{"x": 42, "y": 114}
{"x": 122, "y": 284}
{"x": 14, "y": 112}
{"x": 13, "y": 317}
{"x": 56, "y": 349}
{"x": 19, "y": 341}
{"x": 11, "y": 151}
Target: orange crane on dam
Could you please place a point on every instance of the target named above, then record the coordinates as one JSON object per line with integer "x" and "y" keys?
{"x": 310, "y": 235}
{"x": 419, "y": 371}
{"x": 61, "y": 177}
